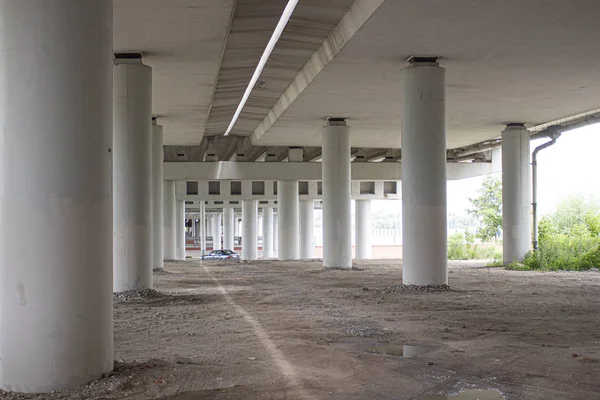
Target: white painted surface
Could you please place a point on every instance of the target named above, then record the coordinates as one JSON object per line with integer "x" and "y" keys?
{"x": 363, "y": 228}
{"x": 306, "y": 171}
{"x": 228, "y": 230}
{"x": 289, "y": 220}
{"x": 424, "y": 176}
{"x": 516, "y": 194}
{"x": 307, "y": 229}
{"x": 158, "y": 208}
{"x": 170, "y": 239}
{"x": 217, "y": 232}
{"x": 275, "y": 233}
{"x": 132, "y": 177}
{"x": 249, "y": 239}
{"x": 180, "y": 230}
{"x": 202, "y": 226}
{"x": 337, "y": 226}
{"x": 56, "y": 279}
{"x": 183, "y": 42}
{"x": 268, "y": 228}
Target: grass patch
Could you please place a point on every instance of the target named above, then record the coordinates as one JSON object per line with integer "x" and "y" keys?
{"x": 462, "y": 247}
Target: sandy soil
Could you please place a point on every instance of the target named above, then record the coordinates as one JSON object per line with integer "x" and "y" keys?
{"x": 274, "y": 330}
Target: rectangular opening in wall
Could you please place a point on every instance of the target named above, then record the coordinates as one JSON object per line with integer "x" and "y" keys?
{"x": 236, "y": 188}
{"x": 214, "y": 187}
{"x": 218, "y": 202}
{"x": 303, "y": 187}
{"x": 234, "y": 202}
{"x": 189, "y": 202}
{"x": 390, "y": 187}
{"x": 258, "y": 187}
{"x": 263, "y": 202}
{"x": 367, "y": 187}
{"x": 192, "y": 187}
{"x": 275, "y": 188}
{"x": 319, "y": 188}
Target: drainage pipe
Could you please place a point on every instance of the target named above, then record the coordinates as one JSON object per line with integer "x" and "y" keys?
{"x": 534, "y": 184}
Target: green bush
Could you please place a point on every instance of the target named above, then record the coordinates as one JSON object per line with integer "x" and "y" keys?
{"x": 462, "y": 247}
{"x": 515, "y": 266}
{"x": 568, "y": 240}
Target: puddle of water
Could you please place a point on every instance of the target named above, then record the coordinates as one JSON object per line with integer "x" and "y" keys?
{"x": 468, "y": 395}
{"x": 406, "y": 351}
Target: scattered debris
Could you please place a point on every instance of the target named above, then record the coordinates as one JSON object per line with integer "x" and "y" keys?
{"x": 416, "y": 288}
{"x": 134, "y": 295}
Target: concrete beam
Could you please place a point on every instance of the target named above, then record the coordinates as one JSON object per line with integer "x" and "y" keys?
{"x": 225, "y": 170}
{"x": 349, "y": 25}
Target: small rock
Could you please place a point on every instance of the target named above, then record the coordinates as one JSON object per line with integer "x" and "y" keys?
{"x": 251, "y": 358}
{"x": 429, "y": 362}
{"x": 594, "y": 269}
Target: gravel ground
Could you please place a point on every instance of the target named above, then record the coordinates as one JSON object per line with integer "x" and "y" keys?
{"x": 291, "y": 330}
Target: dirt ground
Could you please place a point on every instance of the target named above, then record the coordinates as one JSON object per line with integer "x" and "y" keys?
{"x": 285, "y": 330}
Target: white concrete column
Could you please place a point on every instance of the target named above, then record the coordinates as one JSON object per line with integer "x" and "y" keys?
{"x": 516, "y": 192}
{"x": 289, "y": 220}
{"x": 132, "y": 176}
{"x": 217, "y": 232}
{"x": 363, "y": 228}
{"x": 228, "y": 231}
{"x": 249, "y": 231}
{"x": 169, "y": 235}
{"x": 307, "y": 230}
{"x": 267, "y": 231}
{"x": 210, "y": 222}
{"x": 202, "y": 227}
{"x": 55, "y": 280}
{"x": 424, "y": 175}
{"x": 157, "y": 198}
{"x": 337, "y": 225}
{"x": 180, "y": 230}
{"x": 275, "y": 234}
{"x": 236, "y": 226}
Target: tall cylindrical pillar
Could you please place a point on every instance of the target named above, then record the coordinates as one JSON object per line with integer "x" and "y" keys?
{"x": 363, "y": 227}
{"x": 289, "y": 220}
{"x": 267, "y": 232}
{"x": 249, "y": 231}
{"x": 424, "y": 174}
{"x": 307, "y": 230}
{"x": 516, "y": 192}
{"x": 228, "y": 230}
{"x": 55, "y": 280}
{"x": 217, "y": 232}
{"x": 275, "y": 233}
{"x": 180, "y": 230}
{"x": 157, "y": 198}
{"x": 132, "y": 176}
{"x": 202, "y": 227}
{"x": 337, "y": 225}
{"x": 169, "y": 235}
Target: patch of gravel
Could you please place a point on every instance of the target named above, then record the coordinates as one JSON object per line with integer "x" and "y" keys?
{"x": 416, "y": 288}
{"x": 137, "y": 295}
{"x": 125, "y": 379}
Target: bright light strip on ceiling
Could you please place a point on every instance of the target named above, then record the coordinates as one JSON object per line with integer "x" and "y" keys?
{"x": 285, "y": 17}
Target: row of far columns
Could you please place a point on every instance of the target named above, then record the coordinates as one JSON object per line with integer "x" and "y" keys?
{"x": 89, "y": 157}
{"x": 298, "y": 240}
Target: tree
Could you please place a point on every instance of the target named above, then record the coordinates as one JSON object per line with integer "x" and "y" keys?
{"x": 575, "y": 211}
{"x": 487, "y": 207}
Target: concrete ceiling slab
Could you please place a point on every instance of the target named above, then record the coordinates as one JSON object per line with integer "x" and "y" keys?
{"x": 506, "y": 61}
{"x": 183, "y": 42}
{"x": 252, "y": 26}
